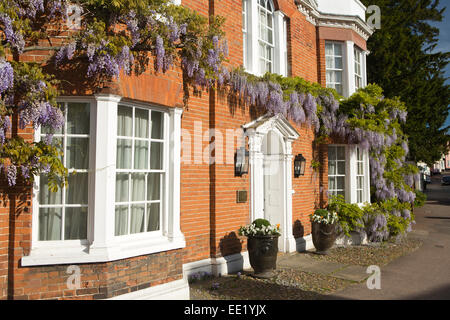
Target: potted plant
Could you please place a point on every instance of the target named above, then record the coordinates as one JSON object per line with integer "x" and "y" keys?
{"x": 324, "y": 230}
{"x": 262, "y": 245}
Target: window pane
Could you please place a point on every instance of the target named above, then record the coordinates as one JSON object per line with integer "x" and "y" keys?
{"x": 331, "y": 153}
{"x": 123, "y": 158}
{"x": 331, "y": 183}
{"x": 157, "y": 125}
{"x": 338, "y": 88}
{"x": 78, "y": 118}
{"x": 141, "y": 154}
{"x": 337, "y": 49}
{"x": 77, "y": 153}
{"x": 360, "y": 182}
{"x": 137, "y": 218}
{"x": 50, "y": 224}
{"x": 45, "y": 195}
{"x": 329, "y": 49}
{"x": 124, "y": 121}
{"x": 153, "y": 216}
{"x": 122, "y": 187}
{"x": 329, "y": 62}
{"x": 340, "y": 183}
{"x": 359, "y": 198}
{"x": 75, "y": 223}
{"x": 269, "y": 21}
{"x": 156, "y": 155}
{"x": 360, "y": 168}
{"x": 331, "y": 168}
{"x": 141, "y": 123}
{"x": 341, "y": 153}
{"x": 338, "y": 76}
{"x": 341, "y": 167}
{"x": 153, "y": 186}
{"x": 121, "y": 220}
{"x": 338, "y": 63}
{"x": 138, "y": 187}
{"x": 77, "y": 189}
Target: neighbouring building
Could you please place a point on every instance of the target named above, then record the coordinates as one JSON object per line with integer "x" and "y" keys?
{"x": 148, "y": 207}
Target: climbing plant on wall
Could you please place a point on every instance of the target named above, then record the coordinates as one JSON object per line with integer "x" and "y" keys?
{"x": 112, "y": 37}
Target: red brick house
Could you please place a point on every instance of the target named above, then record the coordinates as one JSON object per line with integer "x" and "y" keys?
{"x": 153, "y": 201}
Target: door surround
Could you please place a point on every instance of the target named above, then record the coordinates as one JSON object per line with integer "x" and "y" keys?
{"x": 256, "y": 131}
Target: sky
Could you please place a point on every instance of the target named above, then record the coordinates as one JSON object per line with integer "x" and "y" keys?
{"x": 444, "y": 38}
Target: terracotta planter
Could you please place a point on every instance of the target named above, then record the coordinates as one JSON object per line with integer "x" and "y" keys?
{"x": 323, "y": 236}
{"x": 263, "y": 251}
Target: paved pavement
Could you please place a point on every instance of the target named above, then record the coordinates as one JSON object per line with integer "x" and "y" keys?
{"x": 422, "y": 275}
{"x": 425, "y": 273}
{"x": 338, "y": 270}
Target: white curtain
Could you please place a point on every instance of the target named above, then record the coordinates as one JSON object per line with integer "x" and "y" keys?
{"x": 50, "y": 220}
{"x": 121, "y": 220}
{"x": 141, "y": 123}
{"x": 153, "y": 210}
{"x": 75, "y": 223}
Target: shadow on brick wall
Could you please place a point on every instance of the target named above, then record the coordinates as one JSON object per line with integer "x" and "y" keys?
{"x": 230, "y": 244}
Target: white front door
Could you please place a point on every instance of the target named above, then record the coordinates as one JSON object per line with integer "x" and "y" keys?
{"x": 273, "y": 189}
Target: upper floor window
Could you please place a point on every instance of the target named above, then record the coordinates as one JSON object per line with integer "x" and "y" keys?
{"x": 358, "y": 68}
{"x": 245, "y": 31}
{"x": 264, "y": 38}
{"x": 334, "y": 65}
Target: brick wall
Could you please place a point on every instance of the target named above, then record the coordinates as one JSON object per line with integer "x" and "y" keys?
{"x": 210, "y": 215}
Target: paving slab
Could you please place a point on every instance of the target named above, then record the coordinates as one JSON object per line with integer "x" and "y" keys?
{"x": 308, "y": 264}
{"x": 352, "y": 273}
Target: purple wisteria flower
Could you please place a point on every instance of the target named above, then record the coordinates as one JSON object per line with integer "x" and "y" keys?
{"x": 11, "y": 175}
{"x": 6, "y": 76}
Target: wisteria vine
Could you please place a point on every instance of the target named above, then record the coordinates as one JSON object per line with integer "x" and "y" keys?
{"x": 125, "y": 36}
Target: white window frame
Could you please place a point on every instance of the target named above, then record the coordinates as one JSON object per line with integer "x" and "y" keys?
{"x": 358, "y": 55}
{"x": 102, "y": 245}
{"x": 360, "y": 161}
{"x": 36, "y": 205}
{"x": 251, "y": 39}
{"x": 336, "y": 70}
{"x": 339, "y": 175}
{"x": 163, "y": 171}
{"x": 351, "y": 168}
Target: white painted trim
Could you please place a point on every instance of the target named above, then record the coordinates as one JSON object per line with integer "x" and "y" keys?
{"x": 218, "y": 266}
{"x": 349, "y": 70}
{"x": 114, "y": 251}
{"x": 256, "y": 131}
{"x": 174, "y": 290}
{"x": 304, "y": 243}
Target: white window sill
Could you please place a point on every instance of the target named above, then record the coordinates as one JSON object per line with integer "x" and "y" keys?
{"x": 56, "y": 255}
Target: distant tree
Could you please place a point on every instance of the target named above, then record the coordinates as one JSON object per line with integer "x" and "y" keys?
{"x": 403, "y": 62}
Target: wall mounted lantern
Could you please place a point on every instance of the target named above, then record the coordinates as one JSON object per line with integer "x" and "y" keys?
{"x": 299, "y": 165}
{"x": 241, "y": 162}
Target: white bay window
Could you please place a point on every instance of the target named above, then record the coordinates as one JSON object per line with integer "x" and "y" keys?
{"x": 123, "y": 192}
{"x": 348, "y": 173}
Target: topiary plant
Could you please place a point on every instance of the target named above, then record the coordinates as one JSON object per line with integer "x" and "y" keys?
{"x": 258, "y": 223}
